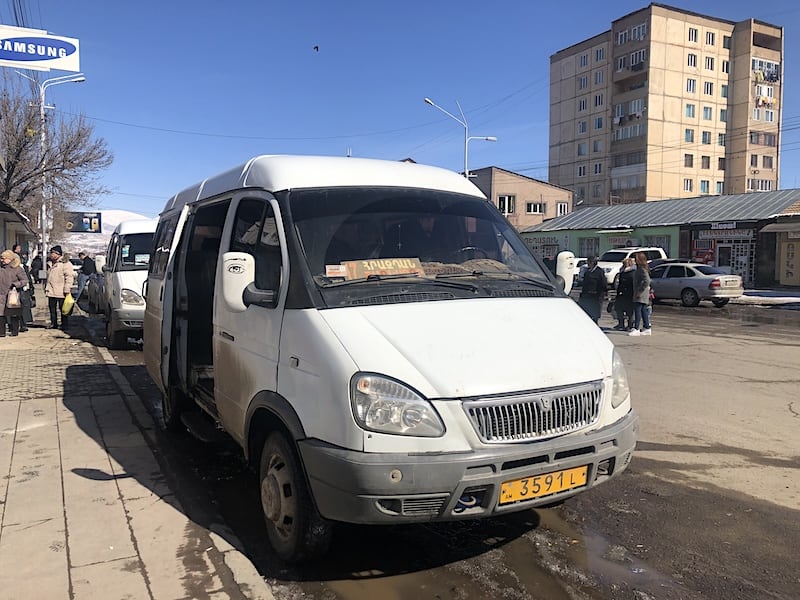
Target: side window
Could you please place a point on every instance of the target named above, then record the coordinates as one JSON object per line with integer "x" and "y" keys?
{"x": 162, "y": 241}
{"x": 111, "y": 253}
{"x": 675, "y": 271}
{"x": 652, "y": 254}
{"x": 255, "y": 231}
{"x": 657, "y": 273}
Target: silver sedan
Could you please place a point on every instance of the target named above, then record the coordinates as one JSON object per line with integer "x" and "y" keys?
{"x": 691, "y": 282}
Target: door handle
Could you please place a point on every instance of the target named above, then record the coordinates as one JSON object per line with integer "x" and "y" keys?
{"x": 227, "y": 336}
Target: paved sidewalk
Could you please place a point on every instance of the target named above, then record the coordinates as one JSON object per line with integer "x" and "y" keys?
{"x": 85, "y": 511}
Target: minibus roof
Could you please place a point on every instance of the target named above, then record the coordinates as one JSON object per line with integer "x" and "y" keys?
{"x": 136, "y": 226}
{"x": 278, "y": 173}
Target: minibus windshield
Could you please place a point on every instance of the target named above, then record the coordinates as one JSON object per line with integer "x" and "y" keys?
{"x": 135, "y": 251}
{"x": 366, "y": 235}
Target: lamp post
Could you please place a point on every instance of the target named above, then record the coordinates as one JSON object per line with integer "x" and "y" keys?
{"x": 76, "y": 78}
{"x": 463, "y": 122}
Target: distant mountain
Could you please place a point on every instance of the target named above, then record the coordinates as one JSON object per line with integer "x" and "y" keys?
{"x": 95, "y": 243}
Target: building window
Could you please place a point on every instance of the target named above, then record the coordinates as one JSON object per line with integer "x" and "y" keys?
{"x": 688, "y": 185}
{"x": 688, "y": 135}
{"x": 622, "y": 37}
{"x": 582, "y": 105}
{"x": 692, "y": 34}
{"x": 759, "y": 185}
{"x": 581, "y": 126}
{"x": 505, "y": 204}
{"x": 691, "y": 85}
{"x": 708, "y": 88}
{"x": 723, "y": 90}
{"x": 598, "y": 99}
{"x": 764, "y": 90}
{"x": 580, "y": 193}
{"x": 709, "y": 63}
{"x": 705, "y": 186}
{"x": 690, "y": 111}
{"x": 588, "y": 246}
{"x": 692, "y": 60}
{"x": 599, "y": 54}
{"x": 726, "y": 66}
{"x": 707, "y": 113}
{"x": 582, "y": 171}
{"x": 561, "y": 209}
{"x": 599, "y": 77}
{"x": 638, "y": 32}
{"x": 581, "y": 148}
{"x": 636, "y": 106}
{"x": 723, "y": 115}
{"x": 726, "y": 41}
{"x": 583, "y": 82}
{"x": 597, "y": 146}
{"x": 638, "y": 57}
{"x": 754, "y": 160}
{"x": 598, "y": 168}
{"x": 721, "y": 139}
{"x": 769, "y": 116}
{"x": 709, "y": 38}
{"x": 622, "y": 62}
{"x": 721, "y": 164}
{"x": 688, "y": 160}
{"x": 756, "y": 114}
{"x": 584, "y": 60}
{"x": 536, "y": 208}
{"x": 619, "y": 110}
{"x": 705, "y": 162}
{"x": 720, "y": 187}
{"x": 598, "y": 123}
{"x": 766, "y": 162}
{"x": 597, "y": 190}
{"x": 705, "y": 137}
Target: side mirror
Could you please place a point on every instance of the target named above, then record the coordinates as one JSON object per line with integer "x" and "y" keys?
{"x": 565, "y": 269}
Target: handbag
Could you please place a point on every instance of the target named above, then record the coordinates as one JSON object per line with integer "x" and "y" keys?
{"x": 610, "y": 307}
{"x": 12, "y": 299}
{"x": 66, "y": 307}
{"x": 32, "y": 296}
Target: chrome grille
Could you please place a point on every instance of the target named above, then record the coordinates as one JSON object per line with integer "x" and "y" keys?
{"x": 535, "y": 415}
{"x": 423, "y": 506}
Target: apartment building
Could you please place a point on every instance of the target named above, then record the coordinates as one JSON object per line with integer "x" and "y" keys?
{"x": 668, "y": 103}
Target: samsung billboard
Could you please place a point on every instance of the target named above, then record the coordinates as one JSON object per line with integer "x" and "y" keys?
{"x": 36, "y": 49}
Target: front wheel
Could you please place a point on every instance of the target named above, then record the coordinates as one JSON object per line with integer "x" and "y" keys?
{"x": 720, "y": 302}
{"x": 689, "y": 297}
{"x": 296, "y": 531}
{"x": 116, "y": 339}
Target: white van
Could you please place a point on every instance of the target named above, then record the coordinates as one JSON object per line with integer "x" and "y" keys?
{"x": 123, "y": 276}
{"x": 382, "y": 345}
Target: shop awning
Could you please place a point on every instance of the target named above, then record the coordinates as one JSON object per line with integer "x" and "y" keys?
{"x": 779, "y": 227}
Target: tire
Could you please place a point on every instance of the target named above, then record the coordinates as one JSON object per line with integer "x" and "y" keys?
{"x": 116, "y": 339}
{"x": 173, "y": 404}
{"x": 720, "y": 302}
{"x": 689, "y": 297}
{"x": 295, "y": 529}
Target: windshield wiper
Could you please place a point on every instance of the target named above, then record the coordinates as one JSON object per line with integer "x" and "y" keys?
{"x": 417, "y": 280}
{"x": 540, "y": 284}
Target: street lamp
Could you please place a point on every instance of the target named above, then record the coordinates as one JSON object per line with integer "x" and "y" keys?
{"x": 467, "y": 137}
{"x": 76, "y": 78}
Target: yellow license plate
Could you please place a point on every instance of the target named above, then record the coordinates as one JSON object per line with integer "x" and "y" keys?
{"x": 542, "y": 485}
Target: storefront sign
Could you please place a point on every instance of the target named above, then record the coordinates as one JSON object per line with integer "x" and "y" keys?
{"x": 723, "y": 225}
{"x": 717, "y": 234}
{"x": 23, "y": 48}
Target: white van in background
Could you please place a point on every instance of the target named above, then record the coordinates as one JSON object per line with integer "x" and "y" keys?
{"x": 121, "y": 281}
{"x": 381, "y": 344}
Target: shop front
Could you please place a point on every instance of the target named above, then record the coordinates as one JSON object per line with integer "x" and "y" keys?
{"x": 729, "y": 246}
{"x": 787, "y": 251}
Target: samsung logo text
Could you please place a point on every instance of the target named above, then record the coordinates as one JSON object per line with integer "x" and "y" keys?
{"x": 34, "y": 48}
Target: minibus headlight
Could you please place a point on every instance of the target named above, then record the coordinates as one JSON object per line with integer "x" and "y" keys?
{"x": 620, "y": 390}
{"x": 387, "y": 406}
{"x": 130, "y": 297}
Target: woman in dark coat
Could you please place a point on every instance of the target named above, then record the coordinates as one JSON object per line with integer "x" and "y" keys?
{"x": 594, "y": 289}
{"x": 10, "y": 277}
{"x": 25, "y": 295}
{"x": 623, "y": 302}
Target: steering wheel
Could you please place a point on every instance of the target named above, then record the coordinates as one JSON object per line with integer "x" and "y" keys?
{"x": 471, "y": 252}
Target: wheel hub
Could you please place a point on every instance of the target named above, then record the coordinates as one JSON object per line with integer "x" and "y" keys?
{"x": 270, "y": 497}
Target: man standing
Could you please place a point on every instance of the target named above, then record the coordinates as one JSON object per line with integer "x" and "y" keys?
{"x": 86, "y": 273}
{"x": 594, "y": 289}
{"x": 60, "y": 278}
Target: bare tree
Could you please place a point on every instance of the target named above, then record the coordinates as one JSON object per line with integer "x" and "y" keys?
{"x": 70, "y": 164}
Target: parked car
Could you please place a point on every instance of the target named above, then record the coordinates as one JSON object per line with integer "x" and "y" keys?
{"x": 611, "y": 260}
{"x": 692, "y": 282}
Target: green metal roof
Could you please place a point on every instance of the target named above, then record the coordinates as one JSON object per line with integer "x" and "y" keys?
{"x": 754, "y": 206}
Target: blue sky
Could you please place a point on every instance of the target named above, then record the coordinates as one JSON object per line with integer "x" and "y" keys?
{"x": 181, "y": 90}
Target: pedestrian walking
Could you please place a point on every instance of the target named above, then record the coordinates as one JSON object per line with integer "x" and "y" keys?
{"x": 60, "y": 279}
{"x": 87, "y": 272}
{"x": 594, "y": 290}
{"x": 641, "y": 296}
{"x": 623, "y": 301}
{"x": 12, "y": 281}
{"x": 36, "y": 267}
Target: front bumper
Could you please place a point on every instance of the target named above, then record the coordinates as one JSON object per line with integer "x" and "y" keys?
{"x": 128, "y": 318}
{"x": 356, "y": 487}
